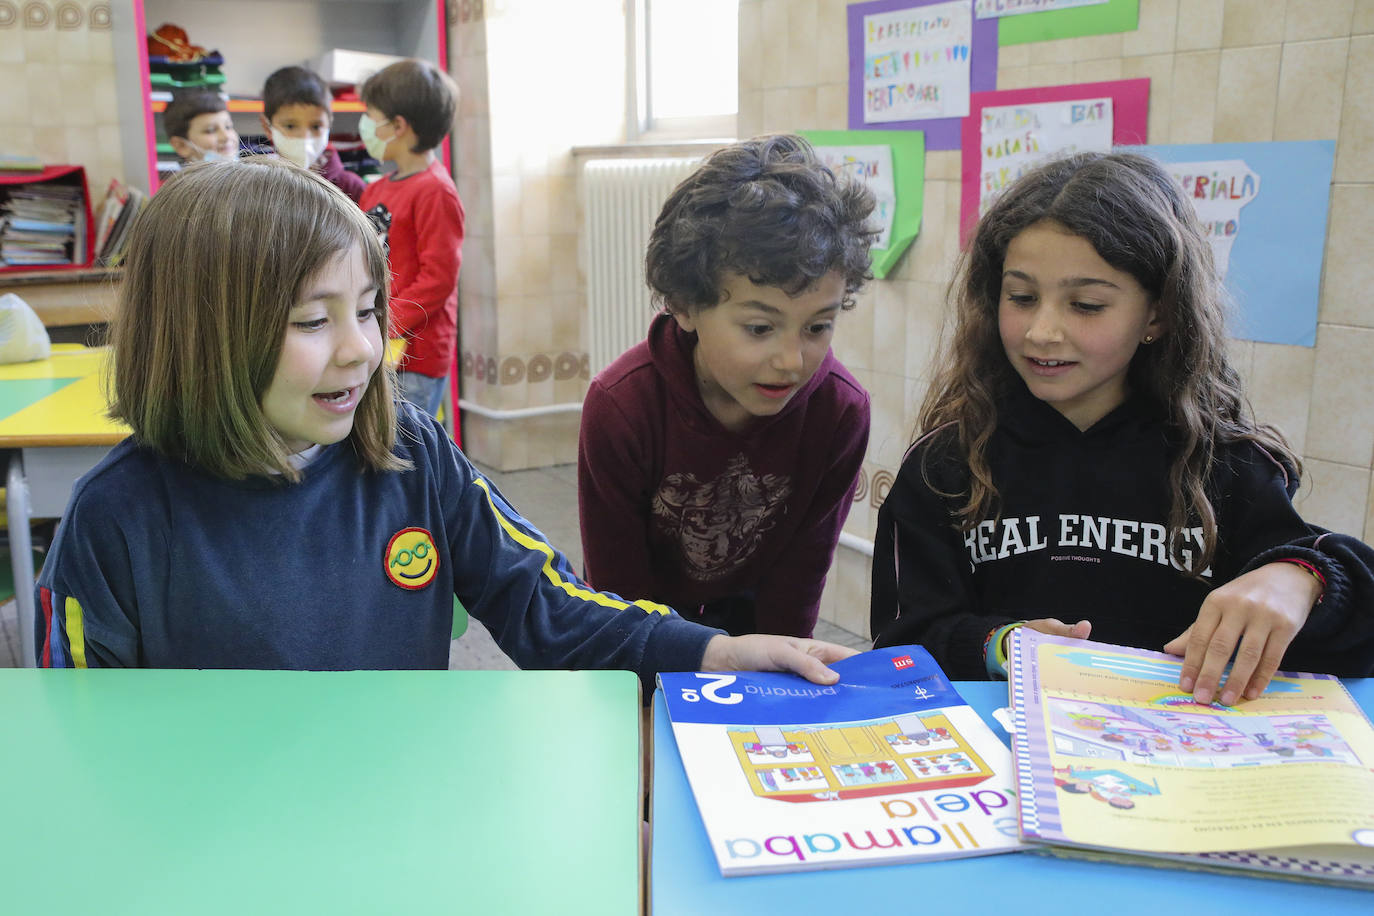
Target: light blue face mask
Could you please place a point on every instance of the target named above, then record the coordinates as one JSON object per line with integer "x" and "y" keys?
{"x": 367, "y": 129}
{"x": 214, "y": 155}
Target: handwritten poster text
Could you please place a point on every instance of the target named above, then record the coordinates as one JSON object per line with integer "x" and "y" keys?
{"x": 916, "y": 63}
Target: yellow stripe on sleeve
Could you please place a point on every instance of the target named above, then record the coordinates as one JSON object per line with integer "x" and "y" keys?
{"x": 572, "y": 588}
{"x": 76, "y": 633}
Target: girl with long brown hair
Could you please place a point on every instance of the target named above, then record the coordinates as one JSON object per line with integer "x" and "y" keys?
{"x": 1086, "y": 453}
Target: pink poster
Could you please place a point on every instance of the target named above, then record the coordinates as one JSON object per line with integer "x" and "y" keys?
{"x": 1130, "y": 116}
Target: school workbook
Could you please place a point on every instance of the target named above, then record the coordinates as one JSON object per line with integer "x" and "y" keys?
{"x": 1113, "y": 760}
{"x": 887, "y": 765}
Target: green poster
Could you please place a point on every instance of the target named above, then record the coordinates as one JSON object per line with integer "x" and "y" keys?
{"x": 893, "y": 164}
{"x": 1075, "y": 22}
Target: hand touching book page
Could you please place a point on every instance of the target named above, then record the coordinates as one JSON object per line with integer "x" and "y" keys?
{"x": 888, "y": 765}
{"x": 1112, "y": 757}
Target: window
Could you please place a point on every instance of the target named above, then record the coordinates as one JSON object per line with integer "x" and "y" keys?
{"x": 684, "y": 72}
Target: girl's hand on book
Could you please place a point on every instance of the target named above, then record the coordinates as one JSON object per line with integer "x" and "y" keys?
{"x": 1053, "y": 627}
{"x": 759, "y": 652}
{"x": 1254, "y": 616}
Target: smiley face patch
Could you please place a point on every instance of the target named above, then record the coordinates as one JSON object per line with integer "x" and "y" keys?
{"x": 411, "y": 558}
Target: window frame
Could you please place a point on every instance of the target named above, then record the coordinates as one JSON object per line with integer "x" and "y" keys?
{"x": 640, "y": 123}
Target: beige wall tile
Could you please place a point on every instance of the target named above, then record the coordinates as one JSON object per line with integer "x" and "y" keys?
{"x": 1368, "y": 534}
{"x": 832, "y": 106}
{"x": 506, "y": 204}
{"x": 832, "y": 42}
{"x": 1317, "y": 19}
{"x": 853, "y": 580}
{"x": 1252, "y": 22}
{"x": 943, "y": 165}
{"x": 1159, "y": 70}
{"x": 802, "y": 42}
{"x": 801, "y": 105}
{"x": 43, "y": 82}
{"x": 1012, "y": 56}
{"x": 927, "y": 258}
{"x": 1247, "y": 86}
{"x": 14, "y": 102}
{"x": 1355, "y": 146}
{"x": 1098, "y": 47}
{"x": 1280, "y": 388}
{"x": 776, "y": 111}
{"x": 534, "y": 264}
{"x": 535, "y": 193}
{"x": 1311, "y": 81}
{"x": 1057, "y": 74}
{"x": 1349, "y": 272}
{"x": 1334, "y": 496}
{"x": 1341, "y": 428}
{"x": 1199, "y": 25}
{"x": 40, "y": 45}
{"x": 1156, "y": 29}
{"x": 925, "y": 322}
{"x": 853, "y": 340}
{"x": 1096, "y": 71}
{"x": 1194, "y": 97}
{"x": 750, "y": 118}
{"x": 774, "y": 49}
{"x": 889, "y": 325}
{"x": 1013, "y": 78}
{"x": 509, "y": 280}
{"x": 1058, "y": 51}
{"x": 888, "y": 438}
{"x": 1363, "y": 20}
{"x": 1241, "y": 354}
{"x": 750, "y": 41}
{"x": 563, "y": 216}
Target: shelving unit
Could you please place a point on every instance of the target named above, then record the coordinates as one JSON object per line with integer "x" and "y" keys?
{"x": 256, "y": 37}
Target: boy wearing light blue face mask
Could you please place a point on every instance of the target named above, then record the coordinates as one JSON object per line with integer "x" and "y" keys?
{"x": 296, "y": 115}
{"x": 416, "y": 210}
{"x": 199, "y": 127}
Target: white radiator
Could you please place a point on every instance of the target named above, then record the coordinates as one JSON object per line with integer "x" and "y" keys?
{"x": 621, "y": 200}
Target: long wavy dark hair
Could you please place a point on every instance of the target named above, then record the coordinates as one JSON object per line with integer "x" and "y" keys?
{"x": 768, "y": 209}
{"x": 1138, "y": 221}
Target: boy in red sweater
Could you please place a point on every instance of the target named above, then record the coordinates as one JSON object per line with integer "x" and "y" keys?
{"x": 718, "y": 458}
{"x": 410, "y": 109}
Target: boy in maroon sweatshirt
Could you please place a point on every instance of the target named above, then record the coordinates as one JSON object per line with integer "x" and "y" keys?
{"x": 718, "y": 458}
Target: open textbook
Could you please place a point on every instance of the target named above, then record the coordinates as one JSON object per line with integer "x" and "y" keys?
{"x": 888, "y": 765}
{"x": 1113, "y": 760}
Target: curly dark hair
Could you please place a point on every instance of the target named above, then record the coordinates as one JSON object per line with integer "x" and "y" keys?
{"x": 767, "y": 209}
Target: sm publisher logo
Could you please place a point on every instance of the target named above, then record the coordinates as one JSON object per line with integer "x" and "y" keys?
{"x": 411, "y": 559}
{"x": 902, "y": 661}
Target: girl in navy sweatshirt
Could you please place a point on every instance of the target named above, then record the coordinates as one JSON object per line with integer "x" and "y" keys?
{"x": 277, "y": 506}
{"x": 1086, "y": 454}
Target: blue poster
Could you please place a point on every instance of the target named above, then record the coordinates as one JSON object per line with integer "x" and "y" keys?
{"x": 1264, "y": 207}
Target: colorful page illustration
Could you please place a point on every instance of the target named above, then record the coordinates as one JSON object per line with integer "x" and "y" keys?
{"x": 1110, "y": 754}
{"x": 888, "y": 765}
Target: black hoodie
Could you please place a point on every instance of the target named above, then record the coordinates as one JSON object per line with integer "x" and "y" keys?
{"x": 1080, "y": 533}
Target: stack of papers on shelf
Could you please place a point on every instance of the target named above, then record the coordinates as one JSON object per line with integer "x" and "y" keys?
{"x": 117, "y": 213}
{"x": 41, "y": 224}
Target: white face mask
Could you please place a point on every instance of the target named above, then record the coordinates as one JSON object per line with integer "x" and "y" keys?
{"x": 367, "y": 129}
{"x": 304, "y": 151}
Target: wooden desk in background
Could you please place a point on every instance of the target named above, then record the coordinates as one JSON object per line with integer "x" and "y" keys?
{"x": 685, "y": 879}
{"x": 53, "y": 423}
{"x": 208, "y": 792}
{"x": 66, "y": 297}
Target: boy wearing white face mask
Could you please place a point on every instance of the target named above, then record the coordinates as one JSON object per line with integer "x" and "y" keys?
{"x": 199, "y": 127}
{"x": 296, "y": 115}
{"x": 416, "y": 210}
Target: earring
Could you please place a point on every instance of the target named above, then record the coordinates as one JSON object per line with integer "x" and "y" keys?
{"x": 1149, "y": 339}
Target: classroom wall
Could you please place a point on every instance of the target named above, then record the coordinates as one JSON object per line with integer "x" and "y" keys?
{"x": 534, "y": 78}
{"x": 58, "y": 77}
{"x": 1220, "y": 71}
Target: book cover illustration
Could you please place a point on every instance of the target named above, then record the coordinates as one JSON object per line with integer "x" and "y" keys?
{"x": 1111, "y": 755}
{"x": 888, "y": 765}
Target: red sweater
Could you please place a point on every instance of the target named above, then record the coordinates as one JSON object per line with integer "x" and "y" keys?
{"x": 676, "y": 508}
{"x": 424, "y": 243}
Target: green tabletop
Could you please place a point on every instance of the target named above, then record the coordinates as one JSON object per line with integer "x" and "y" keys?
{"x": 320, "y": 792}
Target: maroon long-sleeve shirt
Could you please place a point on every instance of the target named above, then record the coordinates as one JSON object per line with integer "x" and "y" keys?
{"x": 677, "y": 508}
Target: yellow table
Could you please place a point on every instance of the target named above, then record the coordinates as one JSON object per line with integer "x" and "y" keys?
{"x": 53, "y": 423}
